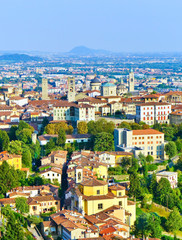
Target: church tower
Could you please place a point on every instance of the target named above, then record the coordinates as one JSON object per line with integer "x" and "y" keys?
{"x": 131, "y": 81}
{"x": 44, "y": 89}
{"x": 71, "y": 89}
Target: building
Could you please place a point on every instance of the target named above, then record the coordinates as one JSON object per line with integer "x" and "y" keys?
{"x": 73, "y": 112}
{"x": 70, "y": 225}
{"x": 12, "y": 159}
{"x": 108, "y": 89}
{"x": 147, "y": 141}
{"x": 95, "y": 84}
{"x": 172, "y": 177}
{"x": 94, "y": 196}
{"x": 121, "y": 88}
{"x": 175, "y": 117}
{"x": 131, "y": 82}
{"x": 153, "y": 112}
{"x": 71, "y": 89}
{"x": 57, "y": 157}
{"x": 44, "y": 89}
{"x": 53, "y": 174}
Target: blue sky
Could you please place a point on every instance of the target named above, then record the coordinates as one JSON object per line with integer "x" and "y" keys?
{"x": 116, "y": 25}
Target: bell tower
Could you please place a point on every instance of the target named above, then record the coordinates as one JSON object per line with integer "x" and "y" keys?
{"x": 71, "y": 89}
{"x": 131, "y": 81}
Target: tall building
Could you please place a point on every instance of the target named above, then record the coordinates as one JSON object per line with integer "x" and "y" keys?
{"x": 131, "y": 82}
{"x": 71, "y": 89}
{"x": 44, "y": 89}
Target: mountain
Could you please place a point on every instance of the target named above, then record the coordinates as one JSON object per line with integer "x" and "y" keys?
{"x": 82, "y": 50}
{"x": 19, "y": 58}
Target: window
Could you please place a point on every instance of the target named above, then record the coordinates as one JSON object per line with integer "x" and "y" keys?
{"x": 100, "y": 206}
{"x": 119, "y": 193}
{"x": 120, "y": 203}
{"x": 98, "y": 191}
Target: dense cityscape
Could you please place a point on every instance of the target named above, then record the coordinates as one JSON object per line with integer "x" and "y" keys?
{"x": 91, "y": 146}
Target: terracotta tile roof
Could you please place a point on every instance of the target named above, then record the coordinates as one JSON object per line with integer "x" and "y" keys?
{"x": 94, "y": 182}
{"x": 146, "y": 132}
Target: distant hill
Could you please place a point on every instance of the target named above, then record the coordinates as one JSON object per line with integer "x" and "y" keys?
{"x": 82, "y": 50}
{"x": 19, "y": 58}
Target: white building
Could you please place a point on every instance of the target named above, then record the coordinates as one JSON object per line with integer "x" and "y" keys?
{"x": 147, "y": 142}
{"x": 153, "y": 112}
{"x": 172, "y": 177}
{"x": 52, "y": 174}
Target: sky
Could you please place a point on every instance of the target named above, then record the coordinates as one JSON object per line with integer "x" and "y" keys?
{"x": 115, "y": 25}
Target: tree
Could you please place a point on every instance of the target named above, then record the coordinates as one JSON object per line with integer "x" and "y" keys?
{"x": 104, "y": 142}
{"x": 15, "y": 147}
{"x": 124, "y": 124}
{"x": 145, "y": 170}
{"x": 100, "y": 126}
{"x": 12, "y": 133}
{"x": 163, "y": 188}
{"x": 174, "y": 221}
{"x": 4, "y": 140}
{"x": 70, "y": 129}
{"x": 50, "y": 146}
{"x": 26, "y": 158}
{"x": 61, "y": 137}
{"x": 14, "y": 231}
{"x": 153, "y": 184}
{"x": 23, "y": 125}
{"x": 22, "y": 205}
{"x": 179, "y": 163}
{"x": 135, "y": 186}
{"x": 171, "y": 149}
{"x": 149, "y": 159}
{"x": 82, "y": 128}
{"x": 24, "y": 135}
{"x": 179, "y": 145}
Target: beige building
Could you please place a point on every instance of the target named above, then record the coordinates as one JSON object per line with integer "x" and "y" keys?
{"x": 147, "y": 141}
{"x": 108, "y": 89}
{"x": 44, "y": 89}
{"x": 131, "y": 82}
{"x": 176, "y": 117}
{"x": 95, "y": 84}
{"x": 53, "y": 174}
{"x": 71, "y": 89}
{"x": 57, "y": 157}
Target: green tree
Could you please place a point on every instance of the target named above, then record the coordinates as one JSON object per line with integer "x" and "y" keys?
{"x": 104, "y": 142}
{"x": 4, "y": 140}
{"x": 26, "y": 158}
{"x": 153, "y": 184}
{"x": 149, "y": 159}
{"x": 179, "y": 163}
{"x": 14, "y": 231}
{"x": 69, "y": 130}
{"x": 15, "y": 147}
{"x": 12, "y": 133}
{"x": 135, "y": 186}
{"x": 171, "y": 149}
{"x": 145, "y": 170}
{"x": 50, "y": 146}
{"x": 8, "y": 178}
{"x": 82, "y": 128}
{"x": 179, "y": 145}
{"x": 24, "y": 135}
{"x": 125, "y": 124}
{"x": 61, "y": 137}
{"x": 22, "y": 205}
{"x": 23, "y": 125}
{"x": 163, "y": 188}
{"x": 174, "y": 221}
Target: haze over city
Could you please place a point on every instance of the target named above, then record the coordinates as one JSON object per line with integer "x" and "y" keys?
{"x": 118, "y": 25}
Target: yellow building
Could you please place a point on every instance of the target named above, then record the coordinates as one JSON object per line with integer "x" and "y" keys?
{"x": 93, "y": 196}
{"x": 12, "y": 159}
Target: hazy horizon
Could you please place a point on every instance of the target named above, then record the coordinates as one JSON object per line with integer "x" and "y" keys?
{"x": 135, "y": 26}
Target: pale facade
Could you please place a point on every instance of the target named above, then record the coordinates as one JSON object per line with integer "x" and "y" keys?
{"x": 172, "y": 177}
{"x": 44, "y": 89}
{"x": 153, "y": 112}
{"x": 108, "y": 89}
{"x": 148, "y": 142}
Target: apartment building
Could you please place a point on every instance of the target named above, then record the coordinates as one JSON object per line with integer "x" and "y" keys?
{"x": 66, "y": 111}
{"x": 94, "y": 196}
{"x": 172, "y": 177}
{"x": 147, "y": 141}
{"x": 153, "y": 112}
{"x": 53, "y": 174}
{"x": 57, "y": 157}
{"x": 12, "y": 159}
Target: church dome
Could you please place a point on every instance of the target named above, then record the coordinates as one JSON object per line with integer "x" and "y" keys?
{"x": 95, "y": 80}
